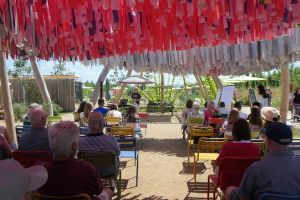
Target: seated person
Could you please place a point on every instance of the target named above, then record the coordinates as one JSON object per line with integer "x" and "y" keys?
{"x": 255, "y": 119}
{"x": 277, "y": 172}
{"x": 188, "y": 108}
{"x": 226, "y": 130}
{"x": 36, "y": 138}
{"x": 241, "y": 145}
{"x": 238, "y": 106}
{"x": 88, "y": 107}
{"x": 210, "y": 111}
{"x": 101, "y": 109}
{"x": 5, "y": 151}
{"x": 223, "y": 111}
{"x": 98, "y": 141}
{"x": 132, "y": 120}
{"x": 68, "y": 176}
{"x": 256, "y": 103}
{"x": 26, "y": 121}
{"x": 79, "y": 110}
{"x": 196, "y": 113}
{"x": 113, "y": 111}
{"x": 16, "y": 180}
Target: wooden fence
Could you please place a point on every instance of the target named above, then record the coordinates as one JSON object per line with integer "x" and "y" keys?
{"x": 62, "y": 91}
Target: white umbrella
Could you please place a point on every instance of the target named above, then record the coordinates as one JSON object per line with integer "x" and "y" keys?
{"x": 135, "y": 80}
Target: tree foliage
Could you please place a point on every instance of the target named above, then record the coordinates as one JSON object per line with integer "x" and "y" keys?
{"x": 60, "y": 69}
{"x": 21, "y": 68}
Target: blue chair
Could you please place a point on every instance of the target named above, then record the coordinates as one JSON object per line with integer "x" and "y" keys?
{"x": 20, "y": 130}
{"x": 84, "y": 130}
{"x": 277, "y": 196}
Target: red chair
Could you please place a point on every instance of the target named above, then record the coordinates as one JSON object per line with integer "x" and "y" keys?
{"x": 31, "y": 158}
{"x": 144, "y": 120}
{"x": 231, "y": 171}
{"x": 216, "y": 123}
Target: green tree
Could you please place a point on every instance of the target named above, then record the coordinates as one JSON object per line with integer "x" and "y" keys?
{"x": 60, "y": 69}
{"x": 21, "y": 68}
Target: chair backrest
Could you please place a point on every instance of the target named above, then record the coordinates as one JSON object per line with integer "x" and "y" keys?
{"x": 100, "y": 160}
{"x": 211, "y": 144}
{"x": 53, "y": 119}
{"x": 217, "y": 121}
{"x": 201, "y": 131}
{"x": 261, "y": 143}
{"x": 38, "y": 196}
{"x": 195, "y": 121}
{"x": 231, "y": 170}
{"x": 31, "y": 158}
{"x": 84, "y": 130}
{"x": 276, "y": 196}
{"x": 112, "y": 120}
{"x": 122, "y": 131}
{"x": 22, "y": 129}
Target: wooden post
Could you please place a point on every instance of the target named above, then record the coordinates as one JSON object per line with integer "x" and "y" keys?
{"x": 200, "y": 87}
{"x": 218, "y": 82}
{"x": 204, "y": 88}
{"x": 285, "y": 83}
{"x": 162, "y": 91}
{"x": 96, "y": 92}
{"x": 41, "y": 85}
{"x": 185, "y": 87}
{"x": 117, "y": 100}
{"x": 7, "y": 104}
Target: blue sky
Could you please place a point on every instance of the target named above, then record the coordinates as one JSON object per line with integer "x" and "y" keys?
{"x": 88, "y": 73}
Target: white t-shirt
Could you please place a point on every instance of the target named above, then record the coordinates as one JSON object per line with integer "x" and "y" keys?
{"x": 243, "y": 115}
{"x": 263, "y": 101}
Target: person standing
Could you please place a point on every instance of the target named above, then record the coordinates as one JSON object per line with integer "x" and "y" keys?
{"x": 262, "y": 96}
{"x": 136, "y": 96}
{"x": 296, "y": 103}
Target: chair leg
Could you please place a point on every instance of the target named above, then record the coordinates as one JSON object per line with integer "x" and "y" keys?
{"x": 194, "y": 170}
{"x": 137, "y": 172}
{"x": 208, "y": 187}
{"x": 188, "y": 154}
{"x": 214, "y": 193}
{"x": 119, "y": 185}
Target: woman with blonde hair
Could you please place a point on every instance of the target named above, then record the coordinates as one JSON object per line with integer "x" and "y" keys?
{"x": 85, "y": 114}
{"x": 233, "y": 116}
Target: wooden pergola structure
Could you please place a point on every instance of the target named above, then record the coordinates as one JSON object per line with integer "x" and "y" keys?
{"x": 179, "y": 37}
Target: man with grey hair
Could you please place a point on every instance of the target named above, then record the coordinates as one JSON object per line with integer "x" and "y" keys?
{"x": 68, "y": 176}
{"x": 26, "y": 121}
{"x": 36, "y": 138}
{"x": 98, "y": 141}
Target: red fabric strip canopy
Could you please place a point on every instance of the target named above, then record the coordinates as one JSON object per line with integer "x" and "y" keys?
{"x": 90, "y": 29}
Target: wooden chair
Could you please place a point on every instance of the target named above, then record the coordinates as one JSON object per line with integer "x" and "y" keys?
{"x": 207, "y": 149}
{"x": 104, "y": 159}
{"x": 53, "y": 119}
{"x": 38, "y": 196}
{"x": 198, "y": 131}
{"x": 31, "y": 158}
{"x": 261, "y": 143}
{"x": 128, "y": 144}
{"x": 231, "y": 171}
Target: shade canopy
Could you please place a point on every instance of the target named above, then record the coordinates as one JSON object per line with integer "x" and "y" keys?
{"x": 181, "y": 37}
{"x": 135, "y": 80}
{"x": 241, "y": 79}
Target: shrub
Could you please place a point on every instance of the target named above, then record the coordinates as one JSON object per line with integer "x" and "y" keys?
{"x": 19, "y": 110}
{"x": 56, "y": 108}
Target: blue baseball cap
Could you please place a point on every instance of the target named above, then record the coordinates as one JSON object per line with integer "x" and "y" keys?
{"x": 278, "y": 132}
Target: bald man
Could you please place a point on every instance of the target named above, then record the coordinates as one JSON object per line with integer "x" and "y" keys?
{"x": 36, "y": 138}
{"x": 98, "y": 141}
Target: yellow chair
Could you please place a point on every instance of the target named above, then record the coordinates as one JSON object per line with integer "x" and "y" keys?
{"x": 195, "y": 121}
{"x": 38, "y": 196}
{"x": 198, "y": 131}
{"x": 53, "y": 119}
{"x": 207, "y": 149}
{"x": 261, "y": 143}
{"x": 110, "y": 122}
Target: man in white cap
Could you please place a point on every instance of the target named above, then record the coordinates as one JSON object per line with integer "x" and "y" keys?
{"x": 16, "y": 181}
{"x": 278, "y": 172}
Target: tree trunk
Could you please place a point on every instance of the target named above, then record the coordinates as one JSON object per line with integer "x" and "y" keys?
{"x": 218, "y": 82}
{"x": 200, "y": 87}
{"x": 96, "y": 92}
{"x": 162, "y": 91}
{"x": 7, "y": 104}
{"x": 117, "y": 100}
{"x": 41, "y": 85}
{"x": 185, "y": 87}
{"x": 285, "y": 83}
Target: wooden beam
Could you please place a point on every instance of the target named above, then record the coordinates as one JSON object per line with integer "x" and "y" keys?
{"x": 117, "y": 100}
{"x": 201, "y": 90}
{"x": 285, "y": 83}
{"x": 218, "y": 82}
{"x": 185, "y": 87}
{"x": 204, "y": 88}
{"x": 96, "y": 91}
{"x": 41, "y": 85}
{"x": 7, "y": 104}
{"x": 162, "y": 91}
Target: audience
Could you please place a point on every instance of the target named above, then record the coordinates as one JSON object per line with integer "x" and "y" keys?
{"x": 16, "y": 181}
{"x": 130, "y": 116}
{"x": 113, "y": 111}
{"x": 227, "y": 126}
{"x": 68, "y": 176}
{"x": 277, "y": 172}
{"x": 210, "y": 111}
{"x": 79, "y": 110}
{"x": 238, "y": 106}
{"x": 101, "y": 109}
{"x": 98, "y": 141}
{"x": 36, "y": 138}
{"x": 241, "y": 145}
{"x": 5, "y": 151}
{"x": 223, "y": 111}
{"x": 256, "y": 103}
{"x": 255, "y": 119}
{"x": 85, "y": 114}
{"x": 269, "y": 115}
{"x": 188, "y": 108}
{"x": 26, "y": 121}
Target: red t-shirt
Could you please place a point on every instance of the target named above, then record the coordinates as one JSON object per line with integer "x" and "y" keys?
{"x": 239, "y": 149}
{"x": 71, "y": 177}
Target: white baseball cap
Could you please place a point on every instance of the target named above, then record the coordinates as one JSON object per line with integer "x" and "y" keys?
{"x": 16, "y": 181}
